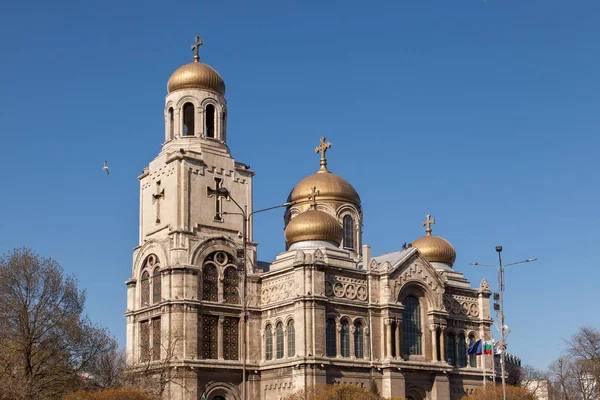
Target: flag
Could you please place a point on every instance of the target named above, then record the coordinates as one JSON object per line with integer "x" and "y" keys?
{"x": 487, "y": 348}
{"x": 475, "y": 348}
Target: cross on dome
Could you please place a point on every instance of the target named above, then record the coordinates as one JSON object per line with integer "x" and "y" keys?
{"x": 428, "y": 223}
{"x": 322, "y": 148}
{"x": 313, "y": 197}
{"x": 196, "y": 48}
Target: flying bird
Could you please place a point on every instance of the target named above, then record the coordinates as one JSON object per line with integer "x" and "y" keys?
{"x": 105, "y": 168}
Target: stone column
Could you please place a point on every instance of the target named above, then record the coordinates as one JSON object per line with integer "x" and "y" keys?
{"x": 397, "y": 338}
{"x": 434, "y": 342}
{"x": 352, "y": 352}
{"x": 220, "y": 337}
{"x": 388, "y": 338}
{"x": 443, "y": 343}
{"x": 338, "y": 341}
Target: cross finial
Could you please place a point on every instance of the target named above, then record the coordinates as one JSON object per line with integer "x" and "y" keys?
{"x": 322, "y": 148}
{"x": 313, "y": 197}
{"x": 196, "y": 48}
{"x": 428, "y": 223}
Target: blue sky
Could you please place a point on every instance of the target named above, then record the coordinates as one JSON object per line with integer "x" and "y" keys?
{"x": 481, "y": 113}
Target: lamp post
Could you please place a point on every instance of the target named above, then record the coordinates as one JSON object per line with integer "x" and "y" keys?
{"x": 503, "y": 328}
{"x": 223, "y": 192}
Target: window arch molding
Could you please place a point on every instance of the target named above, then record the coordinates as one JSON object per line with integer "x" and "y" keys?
{"x": 150, "y": 272}
{"x": 203, "y": 250}
{"x": 421, "y": 292}
{"x": 150, "y": 247}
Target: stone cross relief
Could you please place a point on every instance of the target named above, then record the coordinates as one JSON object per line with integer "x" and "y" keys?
{"x": 210, "y": 192}
{"x": 156, "y": 198}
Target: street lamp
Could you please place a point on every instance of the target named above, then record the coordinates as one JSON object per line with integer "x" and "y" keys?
{"x": 503, "y": 328}
{"x": 223, "y": 192}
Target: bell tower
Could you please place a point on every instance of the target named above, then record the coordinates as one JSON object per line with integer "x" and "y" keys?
{"x": 189, "y": 235}
{"x": 177, "y": 189}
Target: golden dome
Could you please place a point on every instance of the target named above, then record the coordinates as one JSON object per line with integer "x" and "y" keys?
{"x": 330, "y": 186}
{"x": 313, "y": 225}
{"x": 196, "y": 75}
{"x": 434, "y": 248}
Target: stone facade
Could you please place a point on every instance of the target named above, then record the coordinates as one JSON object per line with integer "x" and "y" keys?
{"x": 318, "y": 314}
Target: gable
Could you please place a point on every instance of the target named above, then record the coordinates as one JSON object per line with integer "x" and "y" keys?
{"x": 418, "y": 272}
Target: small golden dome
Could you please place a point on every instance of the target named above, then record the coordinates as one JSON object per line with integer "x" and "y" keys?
{"x": 313, "y": 225}
{"x": 331, "y": 187}
{"x": 434, "y": 248}
{"x": 196, "y": 75}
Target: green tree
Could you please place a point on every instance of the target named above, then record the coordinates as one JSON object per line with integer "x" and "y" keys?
{"x": 47, "y": 343}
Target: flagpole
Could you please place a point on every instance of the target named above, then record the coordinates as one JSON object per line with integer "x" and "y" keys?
{"x": 483, "y": 366}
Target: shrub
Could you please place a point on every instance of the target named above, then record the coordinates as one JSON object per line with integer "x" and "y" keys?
{"x": 110, "y": 394}
{"x": 495, "y": 392}
{"x": 330, "y": 392}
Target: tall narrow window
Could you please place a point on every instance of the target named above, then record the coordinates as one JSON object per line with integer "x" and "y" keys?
{"x": 171, "y": 123}
{"x": 209, "y": 284}
{"x": 291, "y": 339}
{"x": 145, "y": 341}
{"x": 268, "y": 343}
{"x": 348, "y": 226}
{"x": 472, "y": 357}
{"x": 330, "y": 342}
{"x": 358, "y": 340}
{"x": 230, "y": 338}
{"x": 462, "y": 351}
{"x": 156, "y": 339}
{"x": 345, "y": 339}
{"x": 450, "y": 348}
{"x": 156, "y": 286}
{"x": 188, "y": 119}
{"x": 145, "y": 289}
{"x": 279, "y": 340}
{"x": 224, "y": 126}
{"x": 230, "y": 286}
{"x": 210, "y": 121}
{"x": 209, "y": 337}
{"x": 411, "y": 326}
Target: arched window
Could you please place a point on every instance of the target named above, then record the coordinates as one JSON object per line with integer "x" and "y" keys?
{"x": 411, "y": 326}
{"x": 268, "y": 343}
{"x": 345, "y": 339}
{"x": 462, "y": 351}
{"x": 358, "y": 340}
{"x": 279, "y": 340}
{"x": 209, "y": 284}
{"x": 330, "y": 342}
{"x": 348, "y": 226}
{"x": 472, "y": 357}
{"x": 145, "y": 289}
{"x": 156, "y": 286}
{"x": 291, "y": 339}
{"x": 188, "y": 119}
{"x": 210, "y": 121}
{"x": 230, "y": 286}
{"x": 224, "y": 126}
{"x": 450, "y": 348}
{"x": 171, "y": 123}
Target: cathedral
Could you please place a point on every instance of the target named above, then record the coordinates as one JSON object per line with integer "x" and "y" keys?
{"x": 207, "y": 320}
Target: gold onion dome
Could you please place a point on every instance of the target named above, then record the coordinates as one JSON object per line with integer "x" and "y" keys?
{"x": 435, "y": 248}
{"x": 196, "y": 75}
{"x": 313, "y": 224}
{"x": 331, "y": 186}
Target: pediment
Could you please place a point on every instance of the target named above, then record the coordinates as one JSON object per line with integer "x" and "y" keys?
{"x": 417, "y": 271}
